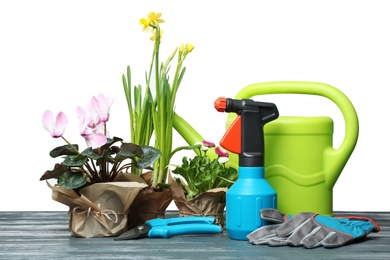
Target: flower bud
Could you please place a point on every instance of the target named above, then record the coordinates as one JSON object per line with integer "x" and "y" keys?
{"x": 189, "y": 47}
{"x": 221, "y": 152}
{"x": 223, "y": 160}
{"x": 181, "y": 48}
{"x": 208, "y": 144}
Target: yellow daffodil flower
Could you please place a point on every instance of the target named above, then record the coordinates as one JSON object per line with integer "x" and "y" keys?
{"x": 145, "y": 23}
{"x": 155, "y": 18}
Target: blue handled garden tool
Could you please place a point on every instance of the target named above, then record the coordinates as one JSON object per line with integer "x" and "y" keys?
{"x": 165, "y": 228}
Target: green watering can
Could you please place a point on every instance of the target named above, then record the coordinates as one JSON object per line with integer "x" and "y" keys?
{"x": 300, "y": 162}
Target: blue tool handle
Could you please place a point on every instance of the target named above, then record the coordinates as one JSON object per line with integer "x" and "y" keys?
{"x": 184, "y": 229}
{"x": 180, "y": 220}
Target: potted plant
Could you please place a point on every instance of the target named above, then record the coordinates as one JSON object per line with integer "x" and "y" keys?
{"x": 200, "y": 185}
{"x": 93, "y": 182}
{"x": 152, "y": 116}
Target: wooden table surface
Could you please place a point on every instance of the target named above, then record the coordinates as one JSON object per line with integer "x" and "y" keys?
{"x": 45, "y": 235}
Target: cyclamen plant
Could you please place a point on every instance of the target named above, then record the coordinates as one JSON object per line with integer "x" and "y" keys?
{"x": 102, "y": 161}
{"x": 202, "y": 173}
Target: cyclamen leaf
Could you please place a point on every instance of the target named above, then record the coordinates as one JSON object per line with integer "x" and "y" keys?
{"x": 151, "y": 155}
{"x": 104, "y": 159}
{"x": 60, "y": 180}
{"x": 128, "y": 151}
{"x": 132, "y": 150}
{"x": 75, "y": 160}
{"x": 89, "y": 152}
{"x": 64, "y": 150}
{"x": 56, "y": 173}
{"x": 111, "y": 142}
{"x": 74, "y": 180}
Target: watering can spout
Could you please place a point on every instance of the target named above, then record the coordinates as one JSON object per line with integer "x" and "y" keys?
{"x": 190, "y": 135}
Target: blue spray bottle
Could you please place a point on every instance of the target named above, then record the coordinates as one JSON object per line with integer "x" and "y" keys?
{"x": 245, "y": 137}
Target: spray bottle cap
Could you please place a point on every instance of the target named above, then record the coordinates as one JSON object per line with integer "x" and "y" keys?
{"x": 245, "y": 135}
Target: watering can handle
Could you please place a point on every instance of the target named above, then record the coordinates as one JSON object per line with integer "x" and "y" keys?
{"x": 335, "y": 159}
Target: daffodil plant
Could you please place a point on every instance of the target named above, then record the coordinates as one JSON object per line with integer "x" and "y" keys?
{"x": 102, "y": 161}
{"x": 154, "y": 114}
{"x": 201, "y": 173}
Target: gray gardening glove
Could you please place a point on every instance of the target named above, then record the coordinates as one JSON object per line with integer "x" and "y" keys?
{"x": 267, "y": 234}
{"x": 312, "y": 230}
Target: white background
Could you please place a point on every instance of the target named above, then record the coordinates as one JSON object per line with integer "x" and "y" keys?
{"x": 57, "y": 54}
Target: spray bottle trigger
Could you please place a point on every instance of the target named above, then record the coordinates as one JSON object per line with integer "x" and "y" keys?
{"x": 231, "y": 141}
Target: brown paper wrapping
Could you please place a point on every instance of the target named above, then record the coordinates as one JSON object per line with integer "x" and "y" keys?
{"x": 101, "y": 210}
{"x": 209, "y": 203}
{"x": 149, "y": 203}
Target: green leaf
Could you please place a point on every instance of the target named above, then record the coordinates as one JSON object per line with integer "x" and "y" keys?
{"x": 102, "y": 161}
{"x": 89, "y": 152}
{"x": 163, "y": 185}
{"x": 74, "y": 180}
{"x": 110, "y": 142}
{"x": 151, "y": 154}
{"x": 191, "y": 147}
{"x": 75, "y": 160}
{"x": 128, "y": 151}
{"x": 191, "y": 193}
{"x": 61, "y": 180}
{"x": 64, "y": 150}
{"x": 202, "y": 174}
{"x": 131, "y": 150}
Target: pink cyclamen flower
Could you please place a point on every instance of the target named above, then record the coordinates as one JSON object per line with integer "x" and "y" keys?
{"x": 55, "y": 128}
{"x": 89, "y": 113}
{"x": 101, "y": 105}
{"x": 221, "y": 152}
{"x": 93, "y": 136}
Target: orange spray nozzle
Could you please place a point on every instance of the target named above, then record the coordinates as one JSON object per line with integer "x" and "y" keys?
{"x": 220, "y": 104}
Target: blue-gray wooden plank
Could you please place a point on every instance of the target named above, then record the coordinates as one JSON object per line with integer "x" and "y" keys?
{"x": 45, "y": 235}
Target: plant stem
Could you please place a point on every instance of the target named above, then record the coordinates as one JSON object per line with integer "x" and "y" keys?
{"x": 71, "y": 145}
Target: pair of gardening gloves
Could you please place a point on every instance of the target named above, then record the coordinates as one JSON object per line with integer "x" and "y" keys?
{"x": 310, "y": 230}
